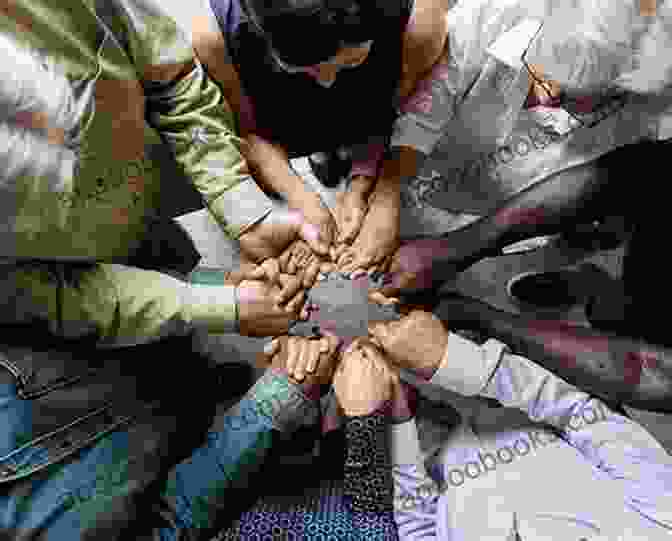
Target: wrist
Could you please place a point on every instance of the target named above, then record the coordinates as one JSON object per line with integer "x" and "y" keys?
{"x": 361, "y": 184}
{"x": 386, "y": 194}
{"x": 310, "y": 390}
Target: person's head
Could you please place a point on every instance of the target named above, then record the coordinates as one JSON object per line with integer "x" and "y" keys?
{"x": 606, "y": 45}
{"x": 317, "y": 37}
{"x": 38, "y": 114}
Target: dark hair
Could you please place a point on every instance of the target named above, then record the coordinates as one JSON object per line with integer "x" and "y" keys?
{"x": 307, "y": 32}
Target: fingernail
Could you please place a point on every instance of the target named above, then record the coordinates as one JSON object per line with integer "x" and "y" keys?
{"x": 357, "y": 274}
{"x": 268, "y": 348}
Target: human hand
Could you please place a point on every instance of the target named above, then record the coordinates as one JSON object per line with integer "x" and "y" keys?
{"x": 417, "y": 266}
{"x": 267, "y": 160}
{"x": 259, "y": 313}
{"x": 417, "y": 342}
{"x": 363, "y": 381}
{"x": 377, "y": 240}
{"x": 322, "y": 227}
{"x": 308, "y": 360}
{"x": 268, "y": 238}
{"x": 298, "y": 259}
{"x": 351, "y": 208}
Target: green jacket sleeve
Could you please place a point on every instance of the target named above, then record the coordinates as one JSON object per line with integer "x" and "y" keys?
{"x": 188, "y": 110}
{"x": 111, "y": 304}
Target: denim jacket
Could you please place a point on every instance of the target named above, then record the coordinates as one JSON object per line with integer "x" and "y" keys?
{"x": 105, "y": 450}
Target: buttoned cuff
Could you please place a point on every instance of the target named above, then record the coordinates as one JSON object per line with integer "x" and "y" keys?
{"x": 467, "y": 367}
{"x": 409, "y": 131}
{"x": 405, "y": 444}
{"x": 211, "y": 307}
{"x": 240, "y": 207}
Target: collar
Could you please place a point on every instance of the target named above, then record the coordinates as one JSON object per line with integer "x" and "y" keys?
{"x": 510, "y": 46}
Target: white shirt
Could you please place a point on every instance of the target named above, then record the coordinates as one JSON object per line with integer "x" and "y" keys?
{"x": 503, "y": 476}
{"x": 468, "y": 116}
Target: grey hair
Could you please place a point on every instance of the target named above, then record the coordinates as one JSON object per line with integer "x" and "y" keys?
{"x": 593, "y": 44}
{"x": 30, "y": 83}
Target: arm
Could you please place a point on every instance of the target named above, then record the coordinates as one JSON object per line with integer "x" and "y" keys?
{"x": 620, "y": 369}
{"x": 619, "y": 449}
{"x": 422, "y": 93}
{"x": 112, "y": 305}
{"x": 187, "y": 109}
{"x": 200, "y": 490}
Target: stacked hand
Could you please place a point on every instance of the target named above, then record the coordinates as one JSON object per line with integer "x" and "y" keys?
{"x": 364, "y": 381}
{"x": 417, "y": 342}
{"x": 308, "y": 360}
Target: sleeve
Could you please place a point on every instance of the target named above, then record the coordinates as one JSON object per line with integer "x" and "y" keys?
{"x": 199, "y": 488}
{"x": 416, "y": 494}
{"x": 187, "y": 109}
{"x": 112, "y": 304}
{"x": 425, "y": 114}
{"x": 368, "y": 484}
{"x": 618, "y": 447}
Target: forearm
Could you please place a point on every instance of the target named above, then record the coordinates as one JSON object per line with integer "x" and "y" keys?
{"x": 111, "y": 305}
{"x": 201, "y": 491}
{"x": 544, "y": 208}
{"x": 186, "y": 108}
{"x": 619, "y": 369}
{"x": 273, "y": 171}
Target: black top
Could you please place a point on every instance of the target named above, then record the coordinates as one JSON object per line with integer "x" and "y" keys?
{"x": 303, "y": 116}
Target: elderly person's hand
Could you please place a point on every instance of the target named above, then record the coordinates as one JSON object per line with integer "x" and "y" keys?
{"x": 363, "y": 381}
{"x": 417, "y": 342}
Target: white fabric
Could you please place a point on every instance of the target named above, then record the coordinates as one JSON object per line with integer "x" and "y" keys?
{"x": 484, "y": 145}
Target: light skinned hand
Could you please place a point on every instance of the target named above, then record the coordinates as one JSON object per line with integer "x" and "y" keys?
{"x": 260, "y": 315}
{"x": 312, "y": 360}
{"x": 363, "y": 381}
{"x": 416, "y": 342}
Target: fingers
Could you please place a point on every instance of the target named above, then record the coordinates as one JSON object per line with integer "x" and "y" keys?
{"x": 376, "y": 296}
{"x": 350, "y": 225}
{"x": 315, "y": 239}
{"x": 342, "y": 250}
{"x": 285, "y": 259}
{"x": 304, "y": 355}
{"x": 327, "y": 268}
{"x": 314, "y": 357}
{"x": 354, "y": 263}
{"x": 293, "y": 355}
{"x": 294, "y": 306}
{"x": 379, "y": 331}
{"x": 289, "y": 288}
{"x": 310, "y": 275}
{"x": 270, "y": 350}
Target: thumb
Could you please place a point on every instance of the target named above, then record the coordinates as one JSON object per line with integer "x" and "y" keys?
{"x": 331, "y": 342}
{"x": 380, "y": 332}
{"x": 265, "y": 357}
{"x": 311, "y": 234}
